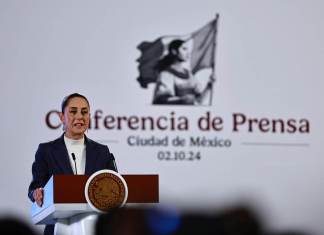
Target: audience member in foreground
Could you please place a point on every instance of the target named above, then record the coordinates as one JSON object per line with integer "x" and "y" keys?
{"x": 15, "y": 226}
{"x": 136, "y": 221}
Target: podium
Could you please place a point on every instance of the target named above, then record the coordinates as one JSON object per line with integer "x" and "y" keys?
{"x": 65, "y": 202}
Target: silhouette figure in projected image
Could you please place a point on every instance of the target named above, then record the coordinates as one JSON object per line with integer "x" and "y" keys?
{"x": 176, "y": 84}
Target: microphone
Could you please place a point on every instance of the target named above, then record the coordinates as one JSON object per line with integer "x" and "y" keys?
{"x": 114, "y": 162}
{"x": 73, "y": 157}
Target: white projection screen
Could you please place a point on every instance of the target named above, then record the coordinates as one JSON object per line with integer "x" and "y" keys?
{"x": 256, "y": 138}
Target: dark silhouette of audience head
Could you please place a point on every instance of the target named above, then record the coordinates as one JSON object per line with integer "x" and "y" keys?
{"x": 238, "y": 220}
{"x": 15, "y": 226}
{"x": 135, "y": 221}
{"x": 122, "y": 222}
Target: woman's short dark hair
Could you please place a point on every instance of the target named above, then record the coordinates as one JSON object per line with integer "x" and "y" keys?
{"x": 66, "y": 100}
{"x": 175, "y": 44}
{"x": 170, "y": 58}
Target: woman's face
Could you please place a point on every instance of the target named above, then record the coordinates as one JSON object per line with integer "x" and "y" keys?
{"x": 183, "y": 53}
{"x": 76, "y": 118}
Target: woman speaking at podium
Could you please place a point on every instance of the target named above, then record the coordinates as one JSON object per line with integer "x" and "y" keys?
{"x": 71, "y": 153}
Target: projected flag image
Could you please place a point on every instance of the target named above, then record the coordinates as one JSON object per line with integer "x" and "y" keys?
{"x": 171, "y": 63}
